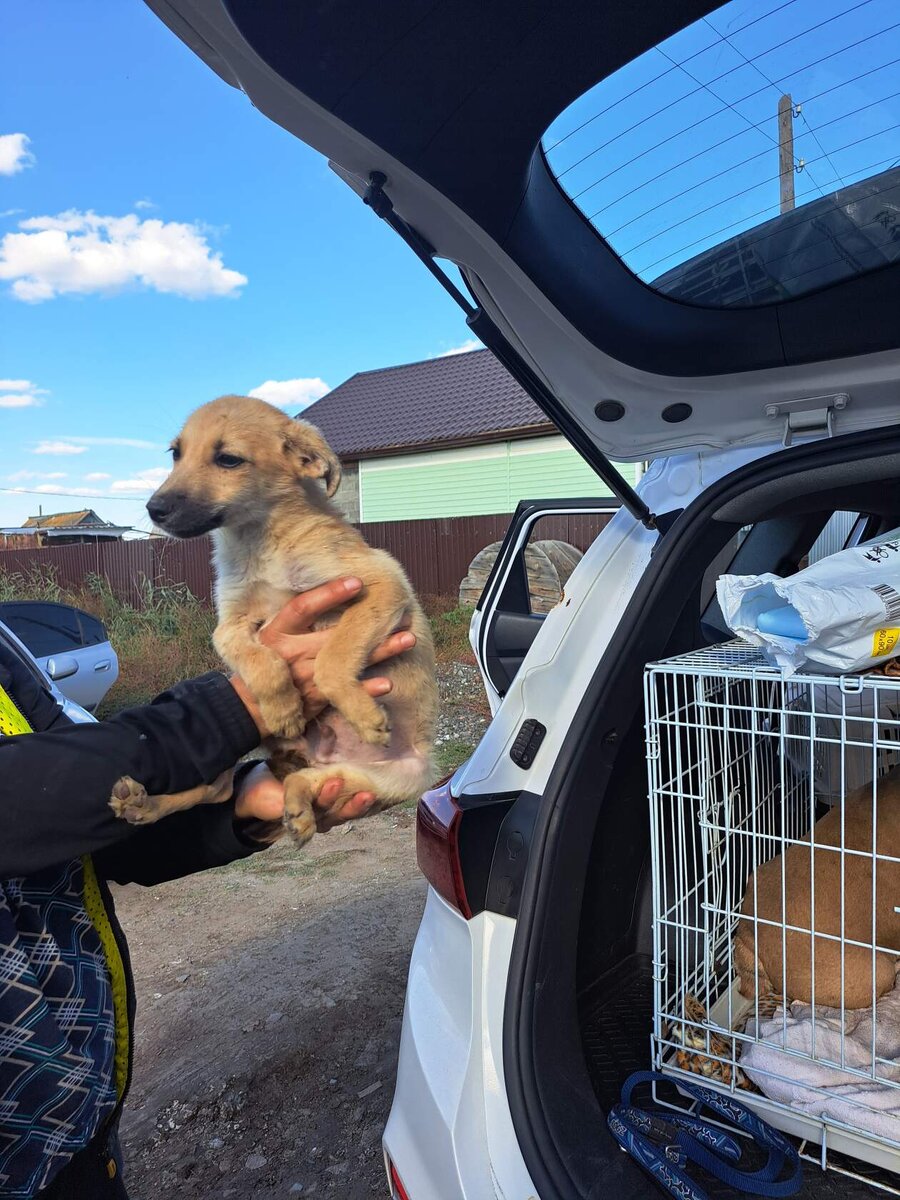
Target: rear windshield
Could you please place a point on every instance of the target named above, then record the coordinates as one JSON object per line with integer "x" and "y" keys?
{"x": 750, "y": 158}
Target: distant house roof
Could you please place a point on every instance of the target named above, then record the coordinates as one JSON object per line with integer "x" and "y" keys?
{"x": 452, "y": 401}
{"x": 67, "y": 520}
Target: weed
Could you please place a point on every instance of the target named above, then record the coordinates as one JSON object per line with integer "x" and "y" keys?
{"x": 452, "y": 754}
{"x": 167, "y": 635}
{"x": 450, "y": 626}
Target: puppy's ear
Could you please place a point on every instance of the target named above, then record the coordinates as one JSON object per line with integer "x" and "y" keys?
{"x": 311, "y": 456}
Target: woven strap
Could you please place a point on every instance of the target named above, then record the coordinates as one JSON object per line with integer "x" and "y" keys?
{"x": 12, "y": 722}
{"x": 664, "y": 1142}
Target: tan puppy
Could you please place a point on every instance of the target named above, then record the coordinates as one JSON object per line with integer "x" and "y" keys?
{"x": 253, "y": 477}
{"x": 760, "y": 968}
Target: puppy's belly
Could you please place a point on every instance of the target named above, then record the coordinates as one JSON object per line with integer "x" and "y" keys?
{"x": 330, "y": 739}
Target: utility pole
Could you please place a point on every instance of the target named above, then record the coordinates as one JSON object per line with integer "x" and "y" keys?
{"x": 786, "y": 152}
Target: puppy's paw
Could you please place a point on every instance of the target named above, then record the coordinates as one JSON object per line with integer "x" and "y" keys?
{"x": 130, "y": 802}
{"x": 300, "y": 825}
{"x": 283, "y": 716}
{"x": 377, "y": 732}
{"x": 370, "y": 721}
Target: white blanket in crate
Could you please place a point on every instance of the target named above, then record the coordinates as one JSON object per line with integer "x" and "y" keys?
{"x": 814, "y": 1087}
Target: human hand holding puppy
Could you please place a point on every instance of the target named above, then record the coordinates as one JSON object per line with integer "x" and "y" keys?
{"x": 292, "y": 636}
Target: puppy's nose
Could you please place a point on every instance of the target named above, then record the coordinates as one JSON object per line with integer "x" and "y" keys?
{"x": 160, "y": 507}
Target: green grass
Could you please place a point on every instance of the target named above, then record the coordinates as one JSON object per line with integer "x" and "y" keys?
{"x": 450, "y": 628}
{"x": 452, "y": 754}
{"x": 167, "y": 637}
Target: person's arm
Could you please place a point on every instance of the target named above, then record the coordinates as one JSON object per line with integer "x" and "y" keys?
{"x": 210, "y": 835}
{"x": 55, "y": 785}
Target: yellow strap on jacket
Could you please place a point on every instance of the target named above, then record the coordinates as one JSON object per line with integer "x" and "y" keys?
{"x": 12, "y": 722}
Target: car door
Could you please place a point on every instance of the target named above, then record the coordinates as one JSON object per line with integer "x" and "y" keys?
{"x": 513, "y": 604}
{"x": 70, "y": 646}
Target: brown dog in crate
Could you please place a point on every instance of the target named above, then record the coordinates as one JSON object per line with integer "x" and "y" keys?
{"x": 837, "y": 888}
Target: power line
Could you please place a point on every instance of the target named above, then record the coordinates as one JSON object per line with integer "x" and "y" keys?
{"x": 731, "y": 137}
{"x": 737, "y": 195}
{"x": 634, "y": 92}
{"x": 761, "y": 73}
{"x": 725, "y": 228}
{"x": 837, "y": 173}
{"x": 72, "y": 495}
{"x": 725, "y": 74}
{"x": 707, "y": 88}
{"x": 720, "y": 173}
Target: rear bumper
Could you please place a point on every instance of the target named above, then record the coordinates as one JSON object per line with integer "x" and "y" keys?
{"x": 449, "y": 1134}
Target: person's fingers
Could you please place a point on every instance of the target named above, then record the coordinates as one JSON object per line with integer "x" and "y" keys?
{"x": 357, "y": 806}
{"x": 392, "y": 646}
{"x": 328, "y": 793}
{"x": 295, "y": 647}
{"x": 354, "y": 808}
{"x": 378, "y": 686}
{"x": 300, "y": 611}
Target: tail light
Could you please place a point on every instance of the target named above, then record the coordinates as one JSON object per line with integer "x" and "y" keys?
{"x": 398, "y": 1191}
{"x": 437, "y": 847}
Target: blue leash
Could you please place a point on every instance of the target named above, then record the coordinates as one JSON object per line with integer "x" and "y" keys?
{"x": 664, "y": 1142}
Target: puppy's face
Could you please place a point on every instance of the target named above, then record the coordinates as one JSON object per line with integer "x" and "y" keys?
{"x": 232, "y": 460}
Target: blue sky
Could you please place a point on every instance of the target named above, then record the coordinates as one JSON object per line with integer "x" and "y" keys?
{"x": 170, "y": 180}
{"x": 162, "y": 243}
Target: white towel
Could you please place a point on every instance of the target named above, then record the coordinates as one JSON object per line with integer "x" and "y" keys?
{"x": 816, "y": 1087}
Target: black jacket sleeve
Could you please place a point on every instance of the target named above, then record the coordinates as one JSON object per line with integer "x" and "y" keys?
{"x": 195, "y": 840}
{"x": 55, "y": 783}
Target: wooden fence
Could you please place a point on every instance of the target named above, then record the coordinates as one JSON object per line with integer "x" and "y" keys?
{"x": 435, "y": 553}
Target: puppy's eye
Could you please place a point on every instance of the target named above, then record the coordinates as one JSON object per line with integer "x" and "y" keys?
{"x": 228, "y": 461}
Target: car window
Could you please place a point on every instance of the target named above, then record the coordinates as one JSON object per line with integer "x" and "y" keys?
{"x": 93, "y": 631}
{"x": 748, "y": 159}
{"x": 44, "y": 628}
{"x": 10, "y": 647}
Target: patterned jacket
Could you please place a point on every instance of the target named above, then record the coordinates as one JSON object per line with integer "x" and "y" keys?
{"x": 60, "y": 944}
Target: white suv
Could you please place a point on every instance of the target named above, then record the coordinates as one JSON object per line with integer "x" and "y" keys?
{"x": 678, "y": 227}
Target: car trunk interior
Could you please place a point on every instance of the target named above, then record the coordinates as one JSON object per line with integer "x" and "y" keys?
{"x": 582, "y": 965}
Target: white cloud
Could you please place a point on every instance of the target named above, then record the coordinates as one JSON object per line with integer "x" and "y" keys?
{"x": 143, "y": 482}
{"x": 291, "y": 393}
{"x": 11, "y": 212}
{"x": 20, "y": 393}
{"x": 145, "y": 204}
{"x": 96, "y": 477}
{"x": 464, "y": 348}
{"x": 21, "y": 476}
{"x": 52, "y": 489}
{"x": 135, "y": 443}
{"x": 14, "y": 153}
{"x": 58, "y": 448}
{"x": 19, "y": 400}
{"x": 82, "y": 253}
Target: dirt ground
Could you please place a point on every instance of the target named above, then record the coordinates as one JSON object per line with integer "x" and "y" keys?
{"x": 270, "y": 996}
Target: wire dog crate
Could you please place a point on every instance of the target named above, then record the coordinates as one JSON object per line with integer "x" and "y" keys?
{"x": 775, "y": 843}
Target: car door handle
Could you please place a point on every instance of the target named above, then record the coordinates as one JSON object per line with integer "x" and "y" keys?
{"x": 102, "y": 666}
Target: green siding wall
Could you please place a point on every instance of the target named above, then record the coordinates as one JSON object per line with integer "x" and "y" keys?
{"x": 475, "y": 481}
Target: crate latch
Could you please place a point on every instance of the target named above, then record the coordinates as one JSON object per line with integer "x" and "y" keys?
{"x": 812, "y": 416}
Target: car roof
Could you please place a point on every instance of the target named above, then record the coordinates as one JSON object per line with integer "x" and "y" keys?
{"x": 450, "y": 103}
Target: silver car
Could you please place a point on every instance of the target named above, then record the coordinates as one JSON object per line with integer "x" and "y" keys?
{"x": 70, "y": 646}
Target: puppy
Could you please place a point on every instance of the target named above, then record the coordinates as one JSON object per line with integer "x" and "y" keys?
{"x": 253, "y": 477}
{"x": 758, "y": 949}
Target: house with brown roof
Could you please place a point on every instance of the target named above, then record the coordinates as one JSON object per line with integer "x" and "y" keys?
{"x": 448, "y": 437}
{"x": 62, "y": 529}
